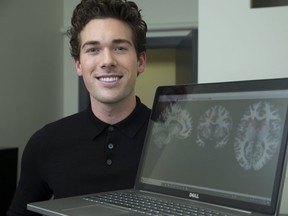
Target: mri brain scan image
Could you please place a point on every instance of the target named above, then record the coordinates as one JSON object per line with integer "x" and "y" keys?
{"x": 214, "y": 127}
{"x": 258, "y": 135}
{"x": 174, "y": 122}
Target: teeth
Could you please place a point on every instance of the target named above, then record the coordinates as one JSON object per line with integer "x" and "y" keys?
{"x": 108, "y": 79}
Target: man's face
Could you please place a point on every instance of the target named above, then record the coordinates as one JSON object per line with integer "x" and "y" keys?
{"x": 108, "y": 61}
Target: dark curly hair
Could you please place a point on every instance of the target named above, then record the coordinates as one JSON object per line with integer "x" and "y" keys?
{"x": 126, "y": 11}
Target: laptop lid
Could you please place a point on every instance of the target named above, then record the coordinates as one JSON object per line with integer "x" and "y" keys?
{"x": 222, "y": 143}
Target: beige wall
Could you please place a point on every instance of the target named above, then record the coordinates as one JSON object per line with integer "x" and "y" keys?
{"x": 160, "y": 70}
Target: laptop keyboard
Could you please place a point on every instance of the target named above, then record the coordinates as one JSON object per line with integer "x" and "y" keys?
{"x": 151, "y": 206}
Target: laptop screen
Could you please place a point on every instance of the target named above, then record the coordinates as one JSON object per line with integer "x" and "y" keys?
{"x": 223, "y": 143}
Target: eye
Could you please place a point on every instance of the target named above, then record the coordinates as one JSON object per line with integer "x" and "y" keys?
{"x": 121, "y": 49}
{"x": 92, "y": 50}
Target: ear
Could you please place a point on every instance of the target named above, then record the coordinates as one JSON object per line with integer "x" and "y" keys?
{"x": 78, "y": 67}
{"x": 142, "y": 62}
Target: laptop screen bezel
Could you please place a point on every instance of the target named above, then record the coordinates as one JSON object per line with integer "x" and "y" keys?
{"x": 225, "y": 87}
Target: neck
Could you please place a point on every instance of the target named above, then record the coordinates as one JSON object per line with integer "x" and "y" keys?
{"x": 113, "y": 113}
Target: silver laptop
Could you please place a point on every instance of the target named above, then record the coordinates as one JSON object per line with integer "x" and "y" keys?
{"x": 215, "y": 148}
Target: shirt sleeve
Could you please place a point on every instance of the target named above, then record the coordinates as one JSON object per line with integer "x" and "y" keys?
{"x": 31, "y": 187}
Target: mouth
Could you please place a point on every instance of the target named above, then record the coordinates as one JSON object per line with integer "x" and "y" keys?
{"x": 109, "y": 79}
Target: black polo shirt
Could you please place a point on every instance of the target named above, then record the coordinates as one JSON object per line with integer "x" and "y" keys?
{"x": 78, "y": 155}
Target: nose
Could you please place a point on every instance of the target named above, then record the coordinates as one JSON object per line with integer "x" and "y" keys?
{"x": 108, "y": 58}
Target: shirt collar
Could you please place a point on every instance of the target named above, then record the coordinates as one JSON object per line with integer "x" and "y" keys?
{"x": 129, "y": 126}
{"x": 97, "y": 126}
{"x": 132, "y": 124}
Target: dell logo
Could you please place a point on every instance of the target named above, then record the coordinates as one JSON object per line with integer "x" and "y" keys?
{"x": 194, "y": 195}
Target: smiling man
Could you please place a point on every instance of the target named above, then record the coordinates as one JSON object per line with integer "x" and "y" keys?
{"x": 109, "y": 65}
{"x": 99, "y": 148}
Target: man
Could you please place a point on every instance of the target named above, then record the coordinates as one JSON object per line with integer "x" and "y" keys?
{"x": 98, "y": 149}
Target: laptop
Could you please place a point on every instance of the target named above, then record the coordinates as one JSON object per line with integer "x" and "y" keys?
{"x": 212, "y": 147}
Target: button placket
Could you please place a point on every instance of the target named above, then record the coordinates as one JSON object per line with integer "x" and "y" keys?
{"x": 109, "y": 161}
{"x": 109, "y": 146}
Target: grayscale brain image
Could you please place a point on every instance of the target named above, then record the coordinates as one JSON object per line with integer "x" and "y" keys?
{"x": 236, "y": 138}
{"x": 174, "y": 122}
{"x": 214, "y": 125}
{"x": 258, "y": 135}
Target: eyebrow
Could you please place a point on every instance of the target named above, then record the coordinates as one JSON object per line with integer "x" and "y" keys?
{"x": 115, "y": 41}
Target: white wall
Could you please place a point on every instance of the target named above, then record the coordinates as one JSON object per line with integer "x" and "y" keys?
{"x": 240, "y": 43}
{"x": 30, "y": 68}
{"x": 169, "y": 17}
